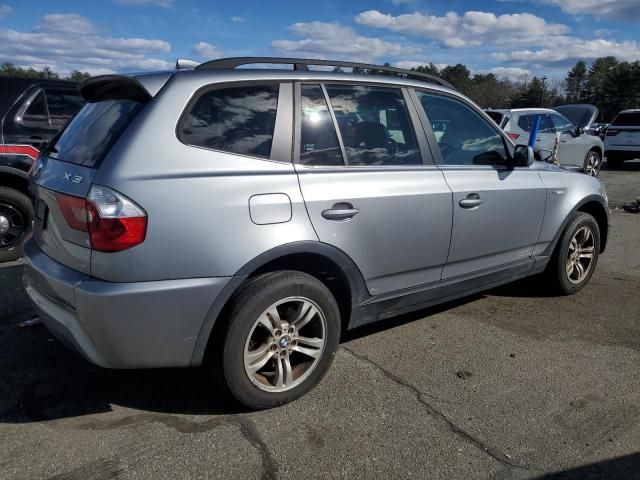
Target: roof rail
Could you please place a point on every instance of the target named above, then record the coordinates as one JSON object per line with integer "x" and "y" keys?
{"x": 303, "y": 64}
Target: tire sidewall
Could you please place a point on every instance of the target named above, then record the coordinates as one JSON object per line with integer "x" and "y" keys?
{"x": 21, "y": 201}
{"x": 590, "y": 154}
{"x": 579, "y": 220}
{"x": 250, "y": 304}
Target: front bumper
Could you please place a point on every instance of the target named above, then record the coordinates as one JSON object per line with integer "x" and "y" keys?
{"x": 119, "y": 325}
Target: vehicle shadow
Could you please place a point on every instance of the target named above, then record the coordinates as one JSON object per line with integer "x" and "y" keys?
{"x": 626, "y": 467}
{"x": 43, "y": 380}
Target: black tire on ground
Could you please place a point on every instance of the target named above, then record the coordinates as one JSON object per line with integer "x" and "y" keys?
{"x": 615, "y": 161}
{"x": 225, "y": 355}
{"x": 13, "y": 201}
{"x": 557, "y": 269}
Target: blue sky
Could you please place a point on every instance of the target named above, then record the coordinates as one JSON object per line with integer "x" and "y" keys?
{"x": 508, "y": 37}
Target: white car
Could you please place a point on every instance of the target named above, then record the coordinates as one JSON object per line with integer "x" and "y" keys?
{"x": 576, "y": 150}
{"x": 622, "y": 140}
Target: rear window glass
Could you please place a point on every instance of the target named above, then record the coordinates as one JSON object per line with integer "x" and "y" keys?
{"x": 630, "y": 119}
{"x": 88, "y": 138}
{"x": 236, "y": 120}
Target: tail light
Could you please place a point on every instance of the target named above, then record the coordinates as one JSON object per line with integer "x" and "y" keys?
{"x": 611, "y": 132}
{"x": 113, "y": 221}
{"x": 513, "y": 136}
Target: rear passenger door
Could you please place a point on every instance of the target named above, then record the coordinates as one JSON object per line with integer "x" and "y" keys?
{"x": 369, "y": 182}
{"x": 497, "y": 211}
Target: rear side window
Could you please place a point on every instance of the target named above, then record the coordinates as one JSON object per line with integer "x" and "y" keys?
{"x": 94, "y": 130}
{"x": 525, "y": 122}
{"x": 318, "y": 141}
{"x": 62, "y": 104}
{"x": 496, "y": 117}
{"x": 236, "y": 119}
{"x": 629, "y": 119}
{"x": 375, "y": 125}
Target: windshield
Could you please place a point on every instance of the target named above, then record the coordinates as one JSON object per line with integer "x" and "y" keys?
{"x": 93, "y": 131}
{"x": 580, "y": 115}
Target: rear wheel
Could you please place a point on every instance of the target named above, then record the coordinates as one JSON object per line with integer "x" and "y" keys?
{"x": 592, "y": 163}
{"x": 576, "y": 255}
{"x": 16, "y": 216}
{"x": 282, "y": 333}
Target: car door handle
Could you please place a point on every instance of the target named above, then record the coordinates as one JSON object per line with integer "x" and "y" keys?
{"x": 472, "y": 201}
{"x": 340, "y": 211}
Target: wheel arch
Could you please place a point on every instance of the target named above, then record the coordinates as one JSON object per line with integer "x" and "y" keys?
{"x": 330, "y": 265}
{"x": 14, "y": 178}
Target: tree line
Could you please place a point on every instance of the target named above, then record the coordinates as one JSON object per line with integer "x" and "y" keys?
{"x": 607, "y": 83}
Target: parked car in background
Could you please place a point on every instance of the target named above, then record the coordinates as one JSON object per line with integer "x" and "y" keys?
{"x": 576, "y": 150}
{"x": 31, "y": 111}
{"x": 242, "y": 219}
{"x": 622, "y": 140}
{"x": 583, "y": 115}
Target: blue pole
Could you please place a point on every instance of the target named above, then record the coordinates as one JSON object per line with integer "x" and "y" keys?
{"x": 533, "y": 136}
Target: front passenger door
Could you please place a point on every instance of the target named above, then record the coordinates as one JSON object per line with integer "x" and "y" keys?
{"x": 497, "y": 211}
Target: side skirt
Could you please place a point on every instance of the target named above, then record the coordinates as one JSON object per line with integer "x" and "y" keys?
{"x": 405, "y": 301}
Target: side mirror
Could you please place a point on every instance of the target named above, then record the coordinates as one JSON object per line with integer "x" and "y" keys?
{"x": 523, "y": 156}
{"x": 579, "y": 131}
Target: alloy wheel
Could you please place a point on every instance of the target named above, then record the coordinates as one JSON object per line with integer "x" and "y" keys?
{"x": 285, "y": 344}
{"x": 12, "y": 224}
{"x": 580, "y": 255}
{"x": 592, "y": 167}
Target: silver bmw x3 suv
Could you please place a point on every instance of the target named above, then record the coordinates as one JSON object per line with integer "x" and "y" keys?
{"x": 241, "y": 219}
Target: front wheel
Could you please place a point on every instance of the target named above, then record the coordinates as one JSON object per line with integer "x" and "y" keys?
{"x": 281, "y": 335}
{"x": 576, "y": 255}
{"x": 592, "y": 163}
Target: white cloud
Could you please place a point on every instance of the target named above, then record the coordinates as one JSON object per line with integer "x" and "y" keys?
{"x": 470, "y": 29}
{"x": 5, "y": 10}
{"x": 236, "y": 19}
{"x": 512, "y": 73}
{"x": 334, "y": 40}
{"x": 66, "y": 42}
{"x": 604, "y": 32}
{"x": 620, "y": 9}
{"x": 147, "y": 3}
{"x": 207, "y": 50}
{"x": 568, "y": 50}
{"x": 409, "y": 64}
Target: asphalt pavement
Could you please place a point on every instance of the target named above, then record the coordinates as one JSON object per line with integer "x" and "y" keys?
{"x": 510, "y": 384}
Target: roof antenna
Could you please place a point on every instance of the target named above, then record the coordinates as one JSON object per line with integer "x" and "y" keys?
{"x": 185, "y": 64}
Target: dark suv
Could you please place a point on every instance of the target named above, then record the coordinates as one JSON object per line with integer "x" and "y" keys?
{"x": 32, "y": 110}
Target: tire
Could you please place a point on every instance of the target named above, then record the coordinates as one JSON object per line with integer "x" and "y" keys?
{"x": 615, "y": 161}
{"x": 16, "y": 215}
{"x": 568, "y": 280}
{"x": 592, "y": 163}
{"x": 245, "y": 343}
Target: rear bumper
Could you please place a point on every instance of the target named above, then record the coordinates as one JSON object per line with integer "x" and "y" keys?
{"x": 119, "y": 325}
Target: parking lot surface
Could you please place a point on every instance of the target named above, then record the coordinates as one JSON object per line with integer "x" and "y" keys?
{"x": 513, "y": 383}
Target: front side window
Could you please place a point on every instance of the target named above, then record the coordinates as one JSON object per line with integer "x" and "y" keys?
{"x": 561, "y": 124}
{"x": 318, "y": 140}
{"x": 63, "y": 104}
{"x": 464, "y": 136}
{"x": 236, "y": 119}
{"x": 374, "y": 124}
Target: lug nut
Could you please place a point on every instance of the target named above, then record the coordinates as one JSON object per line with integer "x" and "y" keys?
{"x": 283, "y": 353}
{"x": 278, "y": 333}
{"x": 273, "y": 347}
{"x": 291, "y": 329}
{"x": 294, "y": 343}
